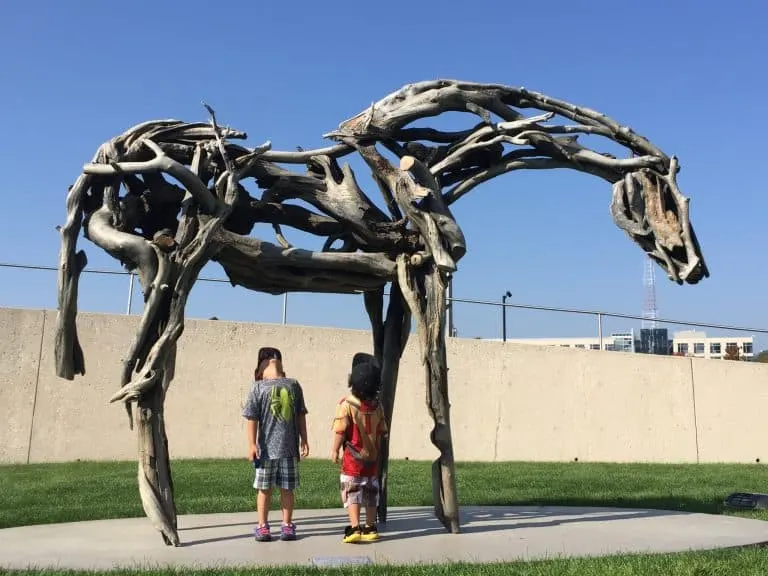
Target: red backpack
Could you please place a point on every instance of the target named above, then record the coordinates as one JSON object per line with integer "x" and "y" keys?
{"x": 367, "y": 424}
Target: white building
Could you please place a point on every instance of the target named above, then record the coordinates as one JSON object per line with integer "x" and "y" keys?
{"x": 697, "y": 344}
{"x": 691, "y": 343}
{"x": 618, "y": 341}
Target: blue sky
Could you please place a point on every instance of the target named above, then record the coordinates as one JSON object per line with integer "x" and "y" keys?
{"x": 689, "y": 76}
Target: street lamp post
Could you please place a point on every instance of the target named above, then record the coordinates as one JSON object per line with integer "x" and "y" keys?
{"x": 130, "y": 293}
{"x": 504, "y": 297}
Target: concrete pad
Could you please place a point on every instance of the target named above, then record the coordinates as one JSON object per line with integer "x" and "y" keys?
{"x": 412, "y": 535}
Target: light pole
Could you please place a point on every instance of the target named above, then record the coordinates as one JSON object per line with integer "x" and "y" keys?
{"x": 130, "y": 293}
{"x": 504, "y": 297}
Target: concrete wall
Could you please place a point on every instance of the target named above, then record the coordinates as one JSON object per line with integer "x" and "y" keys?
{"x": 509, "y": 402}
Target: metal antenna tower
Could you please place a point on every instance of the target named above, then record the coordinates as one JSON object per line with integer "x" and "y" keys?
{"x": 650, "y": 312}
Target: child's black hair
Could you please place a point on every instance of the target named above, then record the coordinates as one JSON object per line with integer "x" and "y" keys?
{"x": 365, "y": 380}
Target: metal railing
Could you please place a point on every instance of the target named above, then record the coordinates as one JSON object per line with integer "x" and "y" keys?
{"x": 599, "y": 315}
{"x": 131, "y": 276}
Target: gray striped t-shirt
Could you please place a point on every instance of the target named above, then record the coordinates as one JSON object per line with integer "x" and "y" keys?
{"x": 275, "y": 404}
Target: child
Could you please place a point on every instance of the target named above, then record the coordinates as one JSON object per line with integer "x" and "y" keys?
{"x": 277, "y": 435}
{"x": 359, "y": 426}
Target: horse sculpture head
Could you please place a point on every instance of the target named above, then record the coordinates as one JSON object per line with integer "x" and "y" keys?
{"x": 649, "y": 207}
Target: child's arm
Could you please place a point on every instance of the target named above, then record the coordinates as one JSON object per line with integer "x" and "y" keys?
{"x": 252, "y": 432}
{"x": 338, "y": 440}
{"x": 340, "y": 423}
{"x": 301, "y": 420}
{"x": 303, "y": 434}
{"x": 251, "y": 415}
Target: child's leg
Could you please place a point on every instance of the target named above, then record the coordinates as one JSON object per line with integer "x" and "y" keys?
{"x": 262, "y": 506}
{"x": 288, "y": 481}
{"x": 354, "y": 515}
{"x": 286, "y": 504}
{"x": 264, "y": 482}
{"x": 370, "y": 499}
{"x": 370, "y": 515}
{"x": 350, "y": 497}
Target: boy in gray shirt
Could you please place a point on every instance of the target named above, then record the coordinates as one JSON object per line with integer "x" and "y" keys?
{"x": 277, "y": 437}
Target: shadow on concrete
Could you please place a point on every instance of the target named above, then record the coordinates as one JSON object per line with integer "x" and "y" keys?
{"x": 275, "y": 537}
{"x": 662, "y": 504}
{"x": 488, "y": 519}
{"x": 300, "y": 522}
{"x": 213, "y": 540}
{"x": 713, "y": 505}
{"x": 403, "y": 525}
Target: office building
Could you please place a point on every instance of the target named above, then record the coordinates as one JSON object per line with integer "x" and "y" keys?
{"x": 697, "y": 344}
{"x": 692, "y": 343}
{"x": 618, "y": 341}
{"x": 653, "y": 341}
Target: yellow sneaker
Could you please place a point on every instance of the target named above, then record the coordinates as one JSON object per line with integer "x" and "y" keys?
{"x": 352, "y": 535}
{"x": 370, "y": 533}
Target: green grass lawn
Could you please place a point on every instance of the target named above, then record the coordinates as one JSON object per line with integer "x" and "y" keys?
{"x": 744, "y": 562}
{"x": 748, "y": 562}
{"x": 44, "y": 493}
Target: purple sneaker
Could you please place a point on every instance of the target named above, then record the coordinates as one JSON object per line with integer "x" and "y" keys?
{"x": 288, "y": 531}
{"x": 262, "y": 533}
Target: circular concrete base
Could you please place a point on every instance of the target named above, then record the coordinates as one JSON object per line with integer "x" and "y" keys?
{"x": 412, "y": 535}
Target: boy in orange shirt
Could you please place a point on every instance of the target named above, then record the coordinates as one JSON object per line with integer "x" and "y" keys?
{"x": 359, "y": 426}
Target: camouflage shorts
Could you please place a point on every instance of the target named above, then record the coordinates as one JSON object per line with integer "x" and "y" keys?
{"x": 360, "y": 490}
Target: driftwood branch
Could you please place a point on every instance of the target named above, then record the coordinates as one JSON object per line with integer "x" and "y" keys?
{"x": 161, "y": 163}
{"x": 126, "y": 203}
{"x": 68, "y": 353}
{"x": 390, "y": 338}
{"x": 409, "y": 195}
{"x": 265, "y": 267}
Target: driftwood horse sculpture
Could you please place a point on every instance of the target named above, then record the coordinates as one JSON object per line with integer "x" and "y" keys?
{"x": 166, "y": 232}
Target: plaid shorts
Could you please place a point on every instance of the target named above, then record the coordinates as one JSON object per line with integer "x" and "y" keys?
{"x": 359, "y": 490}
{"x": 283, "y": 473}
